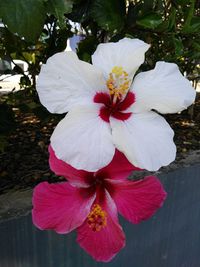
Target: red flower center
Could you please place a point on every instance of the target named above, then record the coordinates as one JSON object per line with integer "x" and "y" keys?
{"x": 117, "y": 109}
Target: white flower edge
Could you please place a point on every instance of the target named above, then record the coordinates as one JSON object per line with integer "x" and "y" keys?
{"x": 127, "y": 53}
{"x": 83, "y": 139}
{"x": 146, "y": 139}
{"x": 65, "y": 82}
{"x": 164, "y": 89}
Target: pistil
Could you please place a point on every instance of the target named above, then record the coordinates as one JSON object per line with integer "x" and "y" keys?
{"x": 97, "y": 218}
{"x": 118, "y": 84}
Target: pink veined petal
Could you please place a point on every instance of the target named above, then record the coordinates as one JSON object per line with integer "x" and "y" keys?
{"x": 119, "y": 168}
{"x": 139, "y": 200}
{"x": 60, "y": 207}
{"x": 103, "y": 245}
{"x": 75, "y": 177}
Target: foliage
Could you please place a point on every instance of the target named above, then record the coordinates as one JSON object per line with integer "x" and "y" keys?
{"x": 36, "y": 29}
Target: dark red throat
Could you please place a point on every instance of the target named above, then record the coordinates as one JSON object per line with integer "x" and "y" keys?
{"x": 116, "y": 110}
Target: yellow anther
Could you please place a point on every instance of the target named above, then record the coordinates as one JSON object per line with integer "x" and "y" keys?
{"x": 97, "y": 218}
{"x": 118, "y": 83}
{"x": 118, "y": 71}
{"x": 125, "y": 74}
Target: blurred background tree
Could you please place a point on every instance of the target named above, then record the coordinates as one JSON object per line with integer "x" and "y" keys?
{"x": 33, "y": 30}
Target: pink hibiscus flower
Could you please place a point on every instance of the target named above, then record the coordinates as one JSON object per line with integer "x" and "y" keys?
{"x": 89, "y": 203}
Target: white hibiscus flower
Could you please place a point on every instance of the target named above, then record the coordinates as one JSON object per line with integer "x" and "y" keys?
{"x": 108, "y": 109}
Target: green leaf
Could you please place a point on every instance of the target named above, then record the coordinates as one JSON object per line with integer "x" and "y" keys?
{"x": 181, "y": 2}
{"x": 58, "y": 8}
{"x": 80, "y": 11}
{"x": 163, "y": 27}
{"x": 150, "y": 21}
{"x": 194, "y": 26}
{"x": 188, "y": 17}
{"x": 148, "y": 5}
{"x": 25, "y": 17}
{"x": 172, "y": 18}
{"x": 134, "y": 11}
{"x": 109, "y": 14}
{"x": 86, "y": 48}
{"x": 27, "y": 56}
{"x": 196, "y": 45}
{"x": 178, "y": 45}
{"x": 12, "y": 42}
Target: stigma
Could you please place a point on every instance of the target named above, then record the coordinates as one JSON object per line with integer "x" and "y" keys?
{"x": 97, "y": 218}
{"x": 118, "y": 83}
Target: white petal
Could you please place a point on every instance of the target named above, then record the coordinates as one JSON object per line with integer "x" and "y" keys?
{"x": 127, "y": 53}
{"x": 83, "y": 139}
{"x": 164, "y": 89}
{"x": 146, "y": 139}
{"x": 65, "y": 81}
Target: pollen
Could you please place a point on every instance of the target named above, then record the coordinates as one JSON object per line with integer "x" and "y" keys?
{"x": 118, "y": 83}
{"x": 118, "y": 71}
{"x": 97, "y": 218}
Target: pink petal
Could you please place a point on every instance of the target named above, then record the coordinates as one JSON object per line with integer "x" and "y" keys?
{"x": 60, "y": 207}
{"x": 119, "y": 168}
{"x": 103, "y": 245}
{"x": 75, "y": 177}
{"x": 139, "y": 200}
